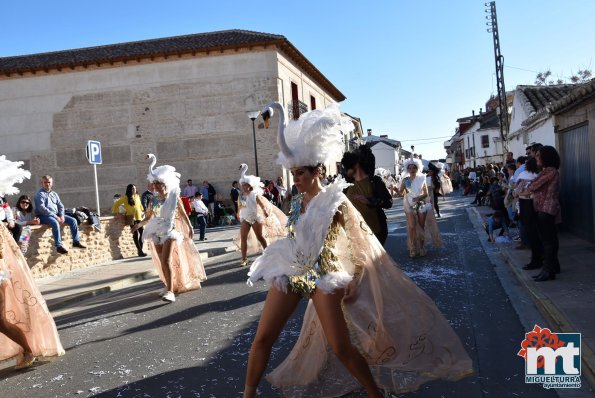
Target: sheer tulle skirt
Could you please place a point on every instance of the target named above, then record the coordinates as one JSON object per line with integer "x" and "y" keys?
{"x": 183, "y": 259}
{"x": 273, "y": 228}
{"x": 394, "y": 324}
{"x": 24, "y": 307}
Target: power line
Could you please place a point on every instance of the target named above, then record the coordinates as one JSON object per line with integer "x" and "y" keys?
{"x": 427, "y": 139}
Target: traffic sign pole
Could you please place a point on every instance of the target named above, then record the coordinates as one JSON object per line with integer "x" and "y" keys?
{"x": 96, "y": 190}
{"x": 93, "y": 153}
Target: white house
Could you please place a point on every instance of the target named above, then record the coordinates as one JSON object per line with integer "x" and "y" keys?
{"x": 530, "y": 120}
{"x": 388, "y": 152}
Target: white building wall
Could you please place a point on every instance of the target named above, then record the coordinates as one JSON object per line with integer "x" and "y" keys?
{"x": 190, "y": 112}
{"x": 386, "y": 157}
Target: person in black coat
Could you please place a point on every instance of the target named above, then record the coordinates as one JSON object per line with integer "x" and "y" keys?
{"x": 368, "y": 193}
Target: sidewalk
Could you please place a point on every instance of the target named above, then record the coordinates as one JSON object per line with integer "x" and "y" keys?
{"x": 68, "y": 288}
{"x": 568, "y": 302}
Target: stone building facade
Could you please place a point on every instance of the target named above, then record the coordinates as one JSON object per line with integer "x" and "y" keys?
{"x": 183, "y": 98}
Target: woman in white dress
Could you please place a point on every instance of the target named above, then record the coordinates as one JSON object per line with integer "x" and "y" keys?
{"x": 367, "y": 324}
{"x": 261, "y": 222}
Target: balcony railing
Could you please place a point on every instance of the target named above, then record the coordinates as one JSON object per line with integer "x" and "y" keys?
{"x": 296, "y": 108}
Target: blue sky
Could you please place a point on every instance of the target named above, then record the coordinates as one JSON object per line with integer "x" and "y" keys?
{"x": 409, "y": 69}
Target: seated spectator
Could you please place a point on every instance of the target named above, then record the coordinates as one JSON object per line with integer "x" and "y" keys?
{"x": 485, "y": 187}
{"x": 50, "y": 210}
{"x": 493, "y": 223}
{"x": 7, "y": 218}
{"x": 202, "y": 212}
{"x": 219, "y": 209}
{"x": 24, "y": 216}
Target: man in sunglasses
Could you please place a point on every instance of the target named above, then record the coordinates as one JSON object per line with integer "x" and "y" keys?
{"x": 50, "y": 210}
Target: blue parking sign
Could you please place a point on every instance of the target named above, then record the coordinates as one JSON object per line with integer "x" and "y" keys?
{"x": 94, "y": 152}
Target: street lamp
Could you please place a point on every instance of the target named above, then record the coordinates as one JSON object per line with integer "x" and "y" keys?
{"x": 252, "y": 115}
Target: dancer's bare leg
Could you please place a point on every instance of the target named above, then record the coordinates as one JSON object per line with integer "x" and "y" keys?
{"x": 411, "y": 233}
{"x": 278, "y": 307}
{"x": 258, "y": 232}
{"x": 244, "y": 231}
{"x": 328, "y": 308}
{"x": 163, "y": 252}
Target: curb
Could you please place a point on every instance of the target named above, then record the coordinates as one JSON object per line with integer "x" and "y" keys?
{"x": 551, "y": 313}
{"x": 126, "y": 281}
{"x": 116, "y": 285}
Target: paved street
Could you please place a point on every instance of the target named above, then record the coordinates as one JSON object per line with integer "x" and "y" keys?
{"x": 130, "y": 344}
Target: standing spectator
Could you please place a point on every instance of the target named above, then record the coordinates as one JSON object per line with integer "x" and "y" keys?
{"x": 274, "y": 193}
{"x": 212, "y": 197}
{"x": 527, "y": 216}
{"x": 7, "y": 218}
{"x": 509, "y": 158}
{"x": 133, "y": 215}
{"x": 202, "y": 213}
{"x": 546, "y": 191}
{"x": 368, "y": 194}
{"x": 491, "y": 172}
{"x": 435, "y": 186}
{"x": 234, "y": 195}
{"x": 147, "y": 196}
{"x": 189, "y": 190}
{"x": 50, "y": 210}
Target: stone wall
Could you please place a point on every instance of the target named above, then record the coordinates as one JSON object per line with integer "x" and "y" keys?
{"x": 113, "y": 242}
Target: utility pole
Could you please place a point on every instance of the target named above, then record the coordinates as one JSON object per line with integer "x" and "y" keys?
{"x": 499, "y": 59}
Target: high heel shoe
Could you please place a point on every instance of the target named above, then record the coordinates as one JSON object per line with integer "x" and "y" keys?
{"x": 28, "y": 360}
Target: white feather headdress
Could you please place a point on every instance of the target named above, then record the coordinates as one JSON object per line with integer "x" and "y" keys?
{"x": 417, "y": 162}
{"x": 11, "y": 174}
{"x": 315, "y": 138}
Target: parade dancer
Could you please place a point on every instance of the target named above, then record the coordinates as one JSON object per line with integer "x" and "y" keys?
{"x": 421, "y": 223}
{"x": 261, "y": 222}
{"x": 169, "y": 232}
{"x": 27, "y": 329}
{"x": 357, "y": 294}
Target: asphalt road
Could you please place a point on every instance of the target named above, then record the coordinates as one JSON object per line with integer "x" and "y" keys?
{"x": 130, "y": 344}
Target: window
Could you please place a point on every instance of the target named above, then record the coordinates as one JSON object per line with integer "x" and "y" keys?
{"x": 485, "y": 141}
{"x": 312, "y": 103}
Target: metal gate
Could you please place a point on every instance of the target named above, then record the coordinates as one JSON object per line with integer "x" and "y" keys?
{"x": 576, "y": 196}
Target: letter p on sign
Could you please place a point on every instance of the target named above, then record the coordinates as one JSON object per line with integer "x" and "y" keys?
{"x": 94, "y": 152}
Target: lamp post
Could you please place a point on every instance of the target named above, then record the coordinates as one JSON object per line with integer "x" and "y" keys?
{"x": 252, "y": 115}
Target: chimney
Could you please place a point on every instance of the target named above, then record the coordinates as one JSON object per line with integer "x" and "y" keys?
{"x": 369, "y": 132}
{"x": 480, "y": 111}
{"x": 473, "y": 112}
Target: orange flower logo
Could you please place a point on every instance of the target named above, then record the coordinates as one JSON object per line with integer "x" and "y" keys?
{"x": 539, "y": 338}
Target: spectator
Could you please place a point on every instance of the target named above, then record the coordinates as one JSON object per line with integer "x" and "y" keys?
{"x": 234, "y": 195}
{"x": 189, "y": 190}
{"x": 133, "y": 211}
{"x": 546, "y": 191}
{"x": 202, "y": 212}
{"x": 527, "y": 216}
{"x": 50, "y": 210}
{"x": 6, "y": 216}
{"x": 493, "y": 223}
{"x": 147, "y": 196}
{"x": 485, "y": 187}
{"x": 496, "y": 195}
{"x": 491, "y": 172}
{"x": 275, "y": 197}
{"x": 24, "y": 216}
{"x": 219, "y": 210}
{"x": 212, "y": 197}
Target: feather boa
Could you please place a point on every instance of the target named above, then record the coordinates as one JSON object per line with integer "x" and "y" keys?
{"x": 289, "y": 257}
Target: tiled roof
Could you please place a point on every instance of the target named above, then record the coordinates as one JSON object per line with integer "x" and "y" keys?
{"x": 489, "y": 120}
{"x": 538, "y": 97}
{"x": 168, "y": 46}
{"x": 575, "y": 97}
{"x": 374, "y": 139}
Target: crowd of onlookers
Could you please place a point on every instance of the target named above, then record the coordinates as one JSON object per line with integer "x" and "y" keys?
{"x": 523, "y": 193}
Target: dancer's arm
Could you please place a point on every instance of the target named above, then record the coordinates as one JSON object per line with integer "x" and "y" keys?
{"x": 148, "y": 216}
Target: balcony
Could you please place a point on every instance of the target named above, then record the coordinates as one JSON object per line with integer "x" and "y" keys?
{"x": 296, "y": 108}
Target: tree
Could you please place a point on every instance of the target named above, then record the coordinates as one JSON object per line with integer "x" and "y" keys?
{"x": 543, "y": 78}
